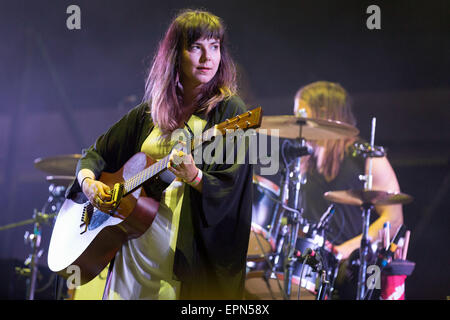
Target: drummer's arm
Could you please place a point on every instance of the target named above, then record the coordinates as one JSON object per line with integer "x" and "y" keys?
{"x": 384, "y": 179}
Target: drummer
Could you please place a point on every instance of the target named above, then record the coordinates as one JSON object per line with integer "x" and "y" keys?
{"x": 331, "y": 166}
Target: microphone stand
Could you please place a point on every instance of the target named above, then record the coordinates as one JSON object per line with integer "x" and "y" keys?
{"x": 38, "y": 219}
{"x": 34, "y": 239}
{"x": 324, "y": 282}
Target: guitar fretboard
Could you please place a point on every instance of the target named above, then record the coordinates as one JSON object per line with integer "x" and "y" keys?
{"x": 146, "y": 174}
{"x": 139, "y": 179}
{"x": 244, "y": 121}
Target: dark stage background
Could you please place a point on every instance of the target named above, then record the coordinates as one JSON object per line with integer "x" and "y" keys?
{"x": 60, "y": 88}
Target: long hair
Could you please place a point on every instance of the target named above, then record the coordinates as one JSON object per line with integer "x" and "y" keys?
{"x": 328, "y": 100}
{"x": 162, "y": 90}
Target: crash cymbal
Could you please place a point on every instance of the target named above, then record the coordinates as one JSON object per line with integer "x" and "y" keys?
{"x": 64, "y": 181}
{"x": 62, "y": 165}
{"x": 359, "y": 197}
{"x": 292, "y": 127}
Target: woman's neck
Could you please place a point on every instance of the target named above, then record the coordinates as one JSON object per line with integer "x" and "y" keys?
{"x": 190, "y": 94}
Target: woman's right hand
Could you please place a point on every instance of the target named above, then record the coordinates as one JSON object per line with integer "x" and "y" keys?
{"x": 98, "y": 193}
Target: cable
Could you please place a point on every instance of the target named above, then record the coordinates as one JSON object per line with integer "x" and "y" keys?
{"x": 301, "y": 277}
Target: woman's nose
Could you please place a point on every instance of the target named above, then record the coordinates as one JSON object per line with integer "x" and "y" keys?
{"x": 206, "y": 55}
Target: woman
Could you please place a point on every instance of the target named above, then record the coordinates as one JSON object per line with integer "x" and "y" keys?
{"x": 332, "y": 167}
{"x": 196, "y": 246}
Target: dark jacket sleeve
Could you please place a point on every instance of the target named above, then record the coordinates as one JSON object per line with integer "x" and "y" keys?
{"x": 225, "y": 184}
{"x": 113, "y": 148}
{"x": 214, "y": 233}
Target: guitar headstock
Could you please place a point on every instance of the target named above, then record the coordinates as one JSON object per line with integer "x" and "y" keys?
{"x": 247, "y": 120}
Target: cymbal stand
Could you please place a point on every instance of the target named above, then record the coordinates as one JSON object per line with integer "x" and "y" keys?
{"x": 294, "y": 220}
{"x": 365, "y": 242}
{"x": 30, "y": 270}
{"x": 283, "y": 199}
{"x": 34, "y": 239}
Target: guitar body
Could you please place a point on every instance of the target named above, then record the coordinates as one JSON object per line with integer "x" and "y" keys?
{"x": 91, "y": 248}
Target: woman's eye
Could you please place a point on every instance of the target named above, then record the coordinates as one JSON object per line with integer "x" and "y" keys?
{"x": 195, "y": 47}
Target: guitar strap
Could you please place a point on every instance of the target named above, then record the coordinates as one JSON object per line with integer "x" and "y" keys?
{"x": 108, "y": 280}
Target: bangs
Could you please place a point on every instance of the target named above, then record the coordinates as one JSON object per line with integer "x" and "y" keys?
{"x": 195, "y": 25}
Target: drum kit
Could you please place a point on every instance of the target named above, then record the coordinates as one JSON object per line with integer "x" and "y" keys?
{"x": 60, "y": 169}
{"x": 288, "y": 256}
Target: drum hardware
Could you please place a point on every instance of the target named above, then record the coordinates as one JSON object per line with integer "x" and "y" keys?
{"x": 366, "y": 150}
{"x": 61, "y": 169}
{"x": 367, "y": 199}
{"x": 365, "y": 242}
{"x": 294, "y": 214}
{"x": 315, "y": 260}
{"x": 34, "y": 239}
{"x": 286, "y": 224}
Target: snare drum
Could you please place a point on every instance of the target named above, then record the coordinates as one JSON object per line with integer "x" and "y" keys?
{"x": 264, "y": 209}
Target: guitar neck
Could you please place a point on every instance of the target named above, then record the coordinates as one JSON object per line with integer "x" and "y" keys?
{"x": 139, "y": 179}
{"x": 250, "y": 119}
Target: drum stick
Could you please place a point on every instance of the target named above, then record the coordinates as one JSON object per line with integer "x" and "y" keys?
{"x": 387, "y": 236}
{"x": 399, "y": 251}
{"x": 406, "y": 244}
{"x": 381, "y": 238}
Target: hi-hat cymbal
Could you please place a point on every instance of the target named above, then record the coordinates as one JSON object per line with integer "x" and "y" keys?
{"x": 62, "y": 165}
{"x": 292, "y": 127}
{"x": 374, "y": 197}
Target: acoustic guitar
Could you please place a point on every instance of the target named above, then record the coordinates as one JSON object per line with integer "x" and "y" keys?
{"x": 86, "y": 238}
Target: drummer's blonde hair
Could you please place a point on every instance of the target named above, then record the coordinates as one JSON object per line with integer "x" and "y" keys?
{"x": 327, "y": 100}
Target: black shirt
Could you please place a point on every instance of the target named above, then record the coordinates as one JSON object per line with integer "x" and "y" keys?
{"x": 346, "y": 222}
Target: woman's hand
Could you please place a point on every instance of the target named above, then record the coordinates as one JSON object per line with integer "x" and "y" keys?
{"x": 98, "y": 193}
{"x": 182, "y": 165}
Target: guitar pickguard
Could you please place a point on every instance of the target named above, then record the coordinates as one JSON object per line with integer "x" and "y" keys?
{"x": 92, "y": 218}
{"x": 97, "y": 219}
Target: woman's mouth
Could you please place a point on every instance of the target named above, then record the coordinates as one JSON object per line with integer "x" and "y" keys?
{"x": 203, "y": 69}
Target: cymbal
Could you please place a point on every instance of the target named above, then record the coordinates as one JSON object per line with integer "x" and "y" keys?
{"x": 375, "y": 197}
{"x": 62, "y": 165}
{"x": 293, "y": 127}
{"x": 64, "y": 181}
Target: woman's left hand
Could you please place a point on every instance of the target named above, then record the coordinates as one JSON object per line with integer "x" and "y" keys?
{"x": 182, "y": 165}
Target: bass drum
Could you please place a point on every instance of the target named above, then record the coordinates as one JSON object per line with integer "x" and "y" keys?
{"x": 262, "y": 241}
{"x": 260, "y": 285}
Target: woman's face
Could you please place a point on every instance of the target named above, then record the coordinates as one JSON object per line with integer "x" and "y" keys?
{"x": 200, "y": 62}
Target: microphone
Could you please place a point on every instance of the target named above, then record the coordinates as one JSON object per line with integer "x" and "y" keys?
{"x": 325, "y": 218}
{"x": 293, "y": 151}
{"x": 312, "y": 258}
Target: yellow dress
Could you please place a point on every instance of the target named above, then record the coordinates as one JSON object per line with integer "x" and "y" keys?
{"x": 143, "y": 267}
